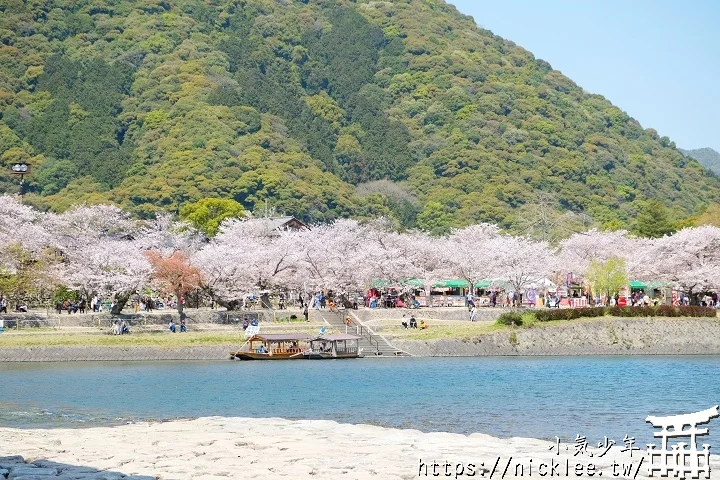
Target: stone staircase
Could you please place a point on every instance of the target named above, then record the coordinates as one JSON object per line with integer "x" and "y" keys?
{"x": 371, "y": 343}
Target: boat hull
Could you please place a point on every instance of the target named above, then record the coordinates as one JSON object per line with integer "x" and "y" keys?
{"x": 294, "y": 356}
{"x": 265, "y": 356}
{"x": 329, "y": 356}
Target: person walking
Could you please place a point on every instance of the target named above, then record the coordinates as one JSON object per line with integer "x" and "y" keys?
{"x": 3, "y": 304}
{"x": 473, "y": 313}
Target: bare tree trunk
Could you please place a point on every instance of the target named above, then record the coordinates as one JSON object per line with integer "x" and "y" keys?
{"x": 231, "y": 305}
{"x": 180, "y": 305}
{"x": 120, "y": 301}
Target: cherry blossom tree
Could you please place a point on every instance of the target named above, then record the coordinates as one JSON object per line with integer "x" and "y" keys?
{"x": 26, "y": 256}
{"x": 689, "y": 258}
{"x": 337, "y": 256}
{"x": 576, "y": 252}
{"x": 111, "y": 267}
{"x": 519, "y": 260}
{"x": 244, "y": 258}
{"x": 102, "y": 249}
{"x": 23, "y": 226}
{"x": 100, "y": 253}
{"x": 469, "y": 252}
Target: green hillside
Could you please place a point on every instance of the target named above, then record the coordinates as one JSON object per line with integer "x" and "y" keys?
{"x": 707, "y": 157}
{"x": 324, "y": 108}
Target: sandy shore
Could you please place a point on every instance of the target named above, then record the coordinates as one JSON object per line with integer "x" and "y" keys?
{"x": 228, "y": 448}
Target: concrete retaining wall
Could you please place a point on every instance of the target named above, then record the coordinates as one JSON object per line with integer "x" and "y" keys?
{"x": 158, "y": 317}
{"x": 73, "y": 354}
{"x": 616, "y": 336}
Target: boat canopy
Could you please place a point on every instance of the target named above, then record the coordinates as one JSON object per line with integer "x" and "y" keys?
{"x": 337, "y": 337}
{"x": 281, "y": 337}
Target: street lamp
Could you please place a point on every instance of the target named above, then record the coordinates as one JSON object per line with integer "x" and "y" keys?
{"x": 22, "y": 169}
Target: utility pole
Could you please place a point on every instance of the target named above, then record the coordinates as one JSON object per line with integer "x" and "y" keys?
{"x": 267, "y": 222}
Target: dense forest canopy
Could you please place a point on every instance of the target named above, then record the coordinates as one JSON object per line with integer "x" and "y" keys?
{"x": 324, "y": 109}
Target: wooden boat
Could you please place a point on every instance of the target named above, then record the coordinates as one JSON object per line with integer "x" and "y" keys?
{"x": 339, "y": 345}
{"x": 273, "y": 346}
{"x": 298, "y": 346}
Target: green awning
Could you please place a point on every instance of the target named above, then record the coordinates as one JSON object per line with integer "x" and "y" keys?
{"x": 414, "y": 282}
{"x": 491, "y": 282}
{"x": 454, "y": 283}
{"x": 637, "y": 285}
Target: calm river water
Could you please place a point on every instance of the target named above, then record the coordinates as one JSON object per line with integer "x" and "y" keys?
{"x": 527, "y": 396}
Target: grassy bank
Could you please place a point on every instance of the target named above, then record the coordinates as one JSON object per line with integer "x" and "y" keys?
{"x": 520, "y": 321}
{"x": 82, "y": 337}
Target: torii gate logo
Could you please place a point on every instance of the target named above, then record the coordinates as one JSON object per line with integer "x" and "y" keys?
{"x": 678, "y": 461}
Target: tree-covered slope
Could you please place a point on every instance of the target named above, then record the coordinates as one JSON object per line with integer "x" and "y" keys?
{"x": 153, "y": 104}
{"x": 707, "y": 157}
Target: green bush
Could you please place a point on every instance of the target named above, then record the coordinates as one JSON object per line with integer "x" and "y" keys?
{"x": 695, "y": 311}
{"x": 548, "y": 315}
{"x": 567, "y": 314}
{"x": 510, "y": 318}
{"x": 621, "y": 311}
{"x": 667, "y": 311}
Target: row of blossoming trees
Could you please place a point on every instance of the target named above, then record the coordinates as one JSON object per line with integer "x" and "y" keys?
{"x": 102, "y": 250}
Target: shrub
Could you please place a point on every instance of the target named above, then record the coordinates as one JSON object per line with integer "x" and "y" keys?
{"x": 621, "y": 311}
{"x": 667, "y": 311}
{"x": 548, "y": 315}
{"x": 510, "y": 318}
{"x": 695, "y": 311}
{"x": 592, "y": 312}
{"x": 567, "y": 314}
{"x": 662, "y": 311}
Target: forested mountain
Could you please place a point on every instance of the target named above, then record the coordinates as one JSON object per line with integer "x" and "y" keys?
{"x": 324, "y": 108}
{"x": 707, "y": 157}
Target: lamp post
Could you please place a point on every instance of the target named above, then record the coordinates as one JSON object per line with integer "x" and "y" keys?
{"x": 22, "y": 169}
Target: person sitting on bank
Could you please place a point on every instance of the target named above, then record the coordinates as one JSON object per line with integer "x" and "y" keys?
{"x": 423, "y": 325}
{"x": 124, "y": 328}
{"x": 183, "y": 327}
{"x": 413, "y": 322}
{"x": 171, "y": 327}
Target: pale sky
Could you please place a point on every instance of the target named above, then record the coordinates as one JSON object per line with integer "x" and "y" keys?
{"x": 658, "y": 60}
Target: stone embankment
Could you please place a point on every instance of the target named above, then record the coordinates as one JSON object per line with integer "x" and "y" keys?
{"x": 606, "y": 336}
{"x": 52, "y": 319}
{"x": 114, "y": 353}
